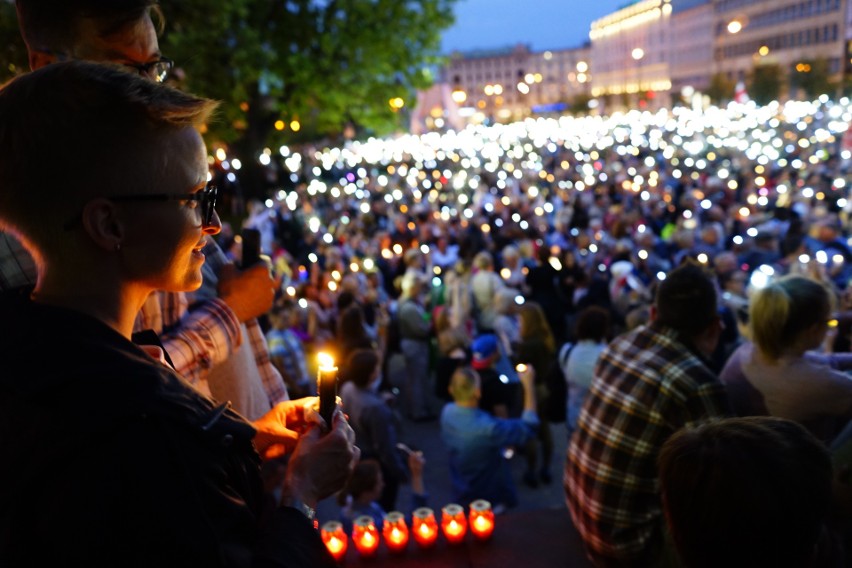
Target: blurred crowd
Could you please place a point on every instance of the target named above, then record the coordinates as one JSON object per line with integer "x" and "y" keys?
{"x": 550, "y": 236}
{"x": 570, "y": 213}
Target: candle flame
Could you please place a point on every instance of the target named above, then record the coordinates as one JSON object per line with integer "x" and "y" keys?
{"x": 326, "y": 361}
{"x": 335, "y": 545}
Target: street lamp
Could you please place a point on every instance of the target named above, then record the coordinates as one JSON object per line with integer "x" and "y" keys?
{"x": 735, "y": 27}
{"x": 637, "y": 54}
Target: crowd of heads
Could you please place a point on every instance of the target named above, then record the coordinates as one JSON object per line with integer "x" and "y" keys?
{"x": 748, "y": 193}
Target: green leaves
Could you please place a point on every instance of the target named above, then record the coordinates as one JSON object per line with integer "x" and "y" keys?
{"x": 326, "y": 63}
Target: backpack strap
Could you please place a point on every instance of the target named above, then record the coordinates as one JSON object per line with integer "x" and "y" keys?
{"x": 563, "y": 354}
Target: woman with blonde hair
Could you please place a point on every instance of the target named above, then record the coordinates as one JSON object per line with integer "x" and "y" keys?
{"x": 780, "y": 371}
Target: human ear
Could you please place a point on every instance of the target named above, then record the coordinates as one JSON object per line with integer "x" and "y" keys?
{"x": 103, "y": 225}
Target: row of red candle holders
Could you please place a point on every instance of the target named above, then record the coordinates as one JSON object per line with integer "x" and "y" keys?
{"x": 454, "y": 525}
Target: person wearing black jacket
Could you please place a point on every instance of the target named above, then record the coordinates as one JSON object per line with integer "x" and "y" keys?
{"x": 110, "y": 458}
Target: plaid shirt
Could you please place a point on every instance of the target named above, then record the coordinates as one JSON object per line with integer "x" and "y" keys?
{"x": 195, "y": 340}
{"x": 646, "y": 385}
{"x": 198, "y": 339}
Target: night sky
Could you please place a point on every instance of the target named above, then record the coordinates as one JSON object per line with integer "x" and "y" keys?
{"x": 543, "y": 24}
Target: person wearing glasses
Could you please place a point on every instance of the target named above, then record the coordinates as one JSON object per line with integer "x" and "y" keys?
{"x": 109, "y": 456}
{"x": 218, "y": 345}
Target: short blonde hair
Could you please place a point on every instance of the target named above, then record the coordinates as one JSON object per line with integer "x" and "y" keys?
{"x": 75, "y": 130}
{"x": 781, "y": 311}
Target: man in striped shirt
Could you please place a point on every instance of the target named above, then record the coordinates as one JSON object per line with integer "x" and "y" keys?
{"x": 648, "y": 384}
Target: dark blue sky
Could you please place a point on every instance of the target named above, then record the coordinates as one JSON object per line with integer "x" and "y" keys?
{"x": 544, "y": 24}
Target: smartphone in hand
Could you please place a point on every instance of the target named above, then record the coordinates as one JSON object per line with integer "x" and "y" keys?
{"x": 251, "y": 248}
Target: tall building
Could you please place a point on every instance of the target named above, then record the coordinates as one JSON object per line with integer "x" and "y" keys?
{"x": 511, "y": 83}
{"x": 789, "y": 34}
{"x": 691, "y": 48}
{"x": 630, "y": 55}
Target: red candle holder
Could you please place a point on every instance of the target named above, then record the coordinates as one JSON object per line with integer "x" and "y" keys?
{"x": 481, "y": 519}
{"x": 453, "y": 523}
{"x": 335, "y": 539}
{"x": 395, "y": 531}
{"x": 424, "y": 526}
{"x": 365, "y": 535}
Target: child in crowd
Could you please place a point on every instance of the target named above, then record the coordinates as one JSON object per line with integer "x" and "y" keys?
{"x": 365, "y": 485}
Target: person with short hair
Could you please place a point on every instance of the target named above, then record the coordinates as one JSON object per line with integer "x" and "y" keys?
{"x": 780, "y": 372}
{"x": 475, "y": 440}
{"x": 647, "y": 384}
{"x": 133, "y": 462}
{"x": 211, "y": 335}
{"x": 592, "y": 333}
{"x": 376, "y": 426}
{"x": 744, "y": 492}
{"x": 415, "y": 331}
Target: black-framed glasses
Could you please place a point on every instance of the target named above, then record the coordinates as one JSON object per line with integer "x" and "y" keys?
{"x": 157, "y": 71}
{"x": 206, "y": 200}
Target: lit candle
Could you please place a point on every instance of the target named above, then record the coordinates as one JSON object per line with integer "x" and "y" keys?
{"x": 453, "y": 523}
{"x": 481, "y": 519}
{"x": 424, "y": 526}
{"x": 365, "y": 535}
{"x": 327, "y": 387}
{"x": 335, "y": 539}
{"x": 395, "y": 532}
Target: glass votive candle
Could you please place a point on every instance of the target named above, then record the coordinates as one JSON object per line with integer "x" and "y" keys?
{"x": 395, "y": 531}
{"x": 424, "y": 526}
{"x": 365, "y": 535}
{"x": 453, "y": 523}
{"x": 335, "y": 539}
{"x": 481, "y": 519}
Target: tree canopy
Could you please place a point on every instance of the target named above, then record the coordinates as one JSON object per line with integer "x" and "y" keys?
{"x": 328, "y": 65}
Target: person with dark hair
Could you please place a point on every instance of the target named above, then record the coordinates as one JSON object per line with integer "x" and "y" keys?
{"x": 375, "y": 424}
{"x": 746, "y": 492}
{"x": 537, "y": 347}
{"x": 647, "y": 384}
{"x": 592, "y": 333}
{"x": 365, "y": 486}
{"x": 135, "y": 461}
{"x": 352, "y": 332}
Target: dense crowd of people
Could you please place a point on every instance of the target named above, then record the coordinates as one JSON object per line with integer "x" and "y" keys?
{"x": 541, "y": 243}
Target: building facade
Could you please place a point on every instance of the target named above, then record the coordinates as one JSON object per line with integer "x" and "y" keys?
{"x": 789, "y": 34}
{"x": 513, "y": 83}
{"x": 630, "y": 55}
{"x": 652, "y": 53}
